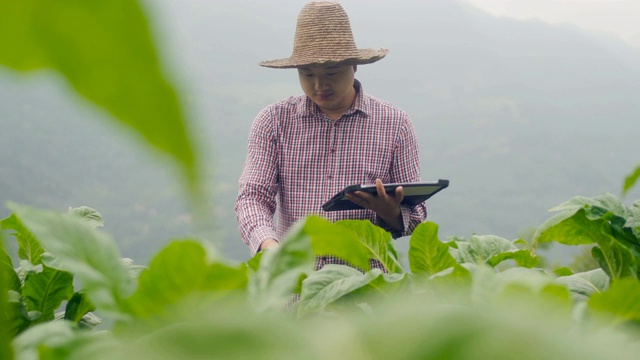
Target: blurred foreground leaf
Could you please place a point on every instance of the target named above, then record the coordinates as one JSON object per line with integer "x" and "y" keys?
{"x": 631, "y": 180}
{"x": 105, "y": 50}
{"x": 620, "y": 303}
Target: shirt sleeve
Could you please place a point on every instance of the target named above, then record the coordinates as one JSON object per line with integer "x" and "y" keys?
{"x": 258, "y": 186}
{"x": 406, "y": 168}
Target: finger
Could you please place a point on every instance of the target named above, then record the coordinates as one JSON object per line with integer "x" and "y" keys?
{"x": 354, "y": 198}
{"x": 380, "y": 188}
{"x": 399, "y": 194}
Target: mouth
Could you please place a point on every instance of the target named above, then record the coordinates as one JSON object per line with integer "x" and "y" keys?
{"x": 324, "y": 96}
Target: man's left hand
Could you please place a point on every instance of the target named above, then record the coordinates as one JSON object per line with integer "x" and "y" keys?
{"x": 387, "y": 206}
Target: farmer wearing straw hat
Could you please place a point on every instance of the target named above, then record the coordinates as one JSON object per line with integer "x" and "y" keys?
{"x": 304, "y": 149}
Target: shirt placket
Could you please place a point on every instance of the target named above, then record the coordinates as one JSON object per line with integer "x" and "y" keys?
{"x": 332, "y": 152}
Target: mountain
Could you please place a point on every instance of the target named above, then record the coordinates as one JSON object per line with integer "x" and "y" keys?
{"x": 519, "y": 116}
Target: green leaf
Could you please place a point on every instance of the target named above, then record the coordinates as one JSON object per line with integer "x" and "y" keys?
{"x": 583, "y": 285}
{"x": 181, "y": 269}
{"x": 28, "y": 247}
{"x": 633, "y": 221}
{"x": 105, "y": 51}
{"x": 329, "y": 238}
{"x": 427, "y": 254}
{"x": 77, "y": 307}
{"x": 631, "y": 180}
{"x": 378, "y": 242}
{"x": 563, "y": 271}
{"x": 6, "y": 284}
{"x": 45, "y": 291}
{"x": 223, "y": 278}
{"x": 28, "y": 342}
{"x": 90, "y": 255}
{"x": 456, "y": 278}
{"x": 333, "y": 282}
{"x": 16, "y": 314}
{"x": 58, "y": 340}
{"x": 580, "y": 219}
{"x": 328, "y": 284}
{"x": 492, "y": 250}
{"x": 615, "y": 259}
{"x": 618, "y": 304}
{"x": 9, "y": 275}
{"x": 254, "y": 263}
{"x": 522, "y": 257}
{"x": 570, "y": 229}
{"x": 92, "y": 216}
{"x": 595, "y": 208}
{"x": 281, "y": 269}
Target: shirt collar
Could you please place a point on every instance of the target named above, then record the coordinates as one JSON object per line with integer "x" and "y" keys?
{"x": 360, "y": 103}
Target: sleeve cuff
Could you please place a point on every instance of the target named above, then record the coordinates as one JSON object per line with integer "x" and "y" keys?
{"x": 259, "y": 236}
{"x": 406, "y": 217}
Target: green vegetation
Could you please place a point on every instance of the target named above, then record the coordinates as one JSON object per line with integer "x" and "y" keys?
{"x": 457, "y": 298}
{"x": 485, "y": 297}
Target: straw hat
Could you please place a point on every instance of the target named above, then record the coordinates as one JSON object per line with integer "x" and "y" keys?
{"x": 323, "y": 35}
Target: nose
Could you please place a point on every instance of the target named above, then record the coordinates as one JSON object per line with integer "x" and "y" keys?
{"x": 320, "y": 84}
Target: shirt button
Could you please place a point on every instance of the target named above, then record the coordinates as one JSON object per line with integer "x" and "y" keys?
{"x": 330, "y": 177}
{"x": 333, "y": 151}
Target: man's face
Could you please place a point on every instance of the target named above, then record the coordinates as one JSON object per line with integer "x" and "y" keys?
{"x": 329, "y": 86}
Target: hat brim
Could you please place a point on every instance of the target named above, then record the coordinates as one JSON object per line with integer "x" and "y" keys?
{"x": 365, "y": 56}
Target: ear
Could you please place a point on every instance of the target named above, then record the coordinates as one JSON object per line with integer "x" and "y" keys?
{"x": 355, "y": 68}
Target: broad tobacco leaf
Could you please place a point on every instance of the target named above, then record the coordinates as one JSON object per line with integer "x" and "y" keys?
{"x": 105, "y": 51}
{"x": 583, "y": 285}
{"x": 45, "y": 291}
{"x": 615, "y": 259}
{"x": 180, "y": 270}
{"x": 427, "y": 254}
{"x": 579, "y": 221}
{"x": 6, "y": 352}
{"x": 281, "y": 269}
{"x": 60, "y": 340}
{"x": 91, "y": 256}
{"x": 9, "y": 276}
{"x": 28, "y": 247}
{"x": 343, "y": 242}
{"x": 333, "y": 282}
{"x": 569, "y": 229}
{"x": 77, "y": 307}
{"x": 92, "y": 216}
{"x": 377, "y": 241}
{"x": 620, "y": 303}
{"x": 491, "y": 250}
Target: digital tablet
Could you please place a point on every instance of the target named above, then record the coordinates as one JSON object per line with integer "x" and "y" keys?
{"x": 414, "y": 194}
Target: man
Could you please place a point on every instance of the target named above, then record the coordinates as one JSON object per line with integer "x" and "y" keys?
{"x": 304, "y": 149}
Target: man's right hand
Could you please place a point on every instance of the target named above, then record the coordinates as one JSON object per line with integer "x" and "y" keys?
{"x": 269, "y": 243}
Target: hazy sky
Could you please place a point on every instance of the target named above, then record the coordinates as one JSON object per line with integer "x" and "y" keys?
{"x": 620, "y": 17}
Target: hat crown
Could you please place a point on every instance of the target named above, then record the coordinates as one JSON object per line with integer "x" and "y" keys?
{"x": 323, "y": 28}
{"x": 323, "y": 35}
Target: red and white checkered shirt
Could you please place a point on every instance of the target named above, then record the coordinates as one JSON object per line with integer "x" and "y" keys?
{"x": 298, "y": 158}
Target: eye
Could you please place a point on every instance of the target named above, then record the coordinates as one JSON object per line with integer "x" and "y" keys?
{"x": 331, "y": 74}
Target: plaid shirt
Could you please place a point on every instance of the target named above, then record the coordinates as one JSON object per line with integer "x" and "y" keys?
{"x": 298, "y": 158}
